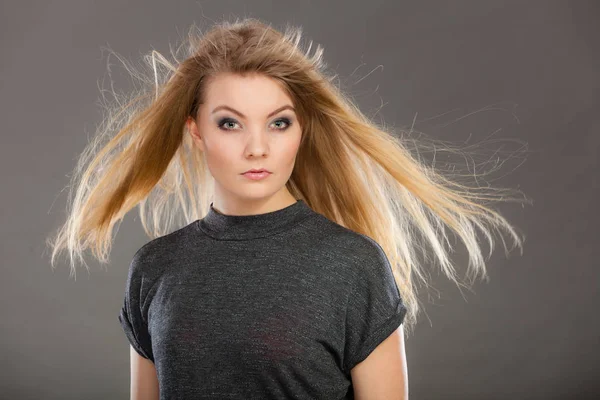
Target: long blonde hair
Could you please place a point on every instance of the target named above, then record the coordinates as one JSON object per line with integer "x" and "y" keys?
{"x": 354, "y": 172}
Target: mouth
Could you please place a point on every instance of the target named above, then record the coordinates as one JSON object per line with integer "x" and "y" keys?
{"x": 257, "y": 174}
{"x": 256, "y": 171}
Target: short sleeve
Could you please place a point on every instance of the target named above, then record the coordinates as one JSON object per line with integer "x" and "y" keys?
{"x": 131, "y": 316}
{"x": 375, "y": 307}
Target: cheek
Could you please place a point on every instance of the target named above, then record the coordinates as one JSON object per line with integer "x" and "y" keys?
{"x": 290, "y": 151}
{"x": 219, "y": 157}
{"x": 290, "y": 156}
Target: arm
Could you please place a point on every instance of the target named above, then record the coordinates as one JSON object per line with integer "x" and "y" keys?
{"x": 144, "y": 381}
{"x": 383, "y": 374}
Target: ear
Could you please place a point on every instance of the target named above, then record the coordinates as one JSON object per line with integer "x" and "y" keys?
{"x": 193, "y": 130}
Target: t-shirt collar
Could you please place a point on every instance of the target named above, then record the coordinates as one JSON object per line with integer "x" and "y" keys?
{"x": 243, "y": 227}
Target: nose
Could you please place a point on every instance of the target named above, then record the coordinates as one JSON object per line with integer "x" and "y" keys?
{"x": 257, "y": 145}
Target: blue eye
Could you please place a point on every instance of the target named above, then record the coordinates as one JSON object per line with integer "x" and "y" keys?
{"x": 232, "y": 121}
{"x": 286, "y": 121}
{"x": 224, "y": 121}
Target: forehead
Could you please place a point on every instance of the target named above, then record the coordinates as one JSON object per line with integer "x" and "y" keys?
{"x": 249, "y": 91}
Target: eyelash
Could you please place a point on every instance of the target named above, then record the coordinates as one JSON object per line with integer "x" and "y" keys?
{"x": 223, "y": 121}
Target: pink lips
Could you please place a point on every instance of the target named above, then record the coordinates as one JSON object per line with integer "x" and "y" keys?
{"x": 255, "y": 174}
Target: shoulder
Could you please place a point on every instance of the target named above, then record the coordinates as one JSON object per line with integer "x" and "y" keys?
{"x": 357, "y": 246}
{"x": 361, "y": 262}
{"x": 150, "y": 258}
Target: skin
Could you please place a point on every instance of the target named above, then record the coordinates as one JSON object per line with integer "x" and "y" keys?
{"x": 144, "y": 380}
{"x": 383, "y": 374}
{"x": 254, "y": 140}
{"x": 259, "y": 140}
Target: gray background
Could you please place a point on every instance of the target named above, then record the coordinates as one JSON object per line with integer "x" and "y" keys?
{"x": 525, "y": 72}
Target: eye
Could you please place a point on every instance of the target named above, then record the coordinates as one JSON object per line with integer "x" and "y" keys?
{"x": 226, "y": 124}
{"x": 286, "y": 121}
{"x": 225, "y": 121}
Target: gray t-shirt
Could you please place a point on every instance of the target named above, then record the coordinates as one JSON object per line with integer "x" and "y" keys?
{"x": 279, "y": 305}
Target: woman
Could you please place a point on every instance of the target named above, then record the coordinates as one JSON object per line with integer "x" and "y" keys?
{"x": 296, "y": 264}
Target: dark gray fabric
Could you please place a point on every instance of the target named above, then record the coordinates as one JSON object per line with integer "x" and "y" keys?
{"x": 278, "y": 305}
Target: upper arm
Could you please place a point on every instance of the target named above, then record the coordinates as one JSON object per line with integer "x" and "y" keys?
{"x": 133, "y": 319}
{"x": 144, "y": 381}
{"x": 383, "y": 374}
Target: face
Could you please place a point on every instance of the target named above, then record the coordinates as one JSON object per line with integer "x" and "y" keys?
{"x": 247, "y": 123}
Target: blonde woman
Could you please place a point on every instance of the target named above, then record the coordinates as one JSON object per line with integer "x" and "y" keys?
{"x": 294, "y": 274}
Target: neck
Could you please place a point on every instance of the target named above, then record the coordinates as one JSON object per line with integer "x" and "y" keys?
{"x": 246, "y": 207}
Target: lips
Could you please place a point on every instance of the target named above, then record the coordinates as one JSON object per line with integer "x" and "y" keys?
{"x": 257, "y": 176}
{"x": 255, "y": 171}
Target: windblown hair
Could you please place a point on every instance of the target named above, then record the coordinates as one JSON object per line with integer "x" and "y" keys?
{"x": 359, "y": 174}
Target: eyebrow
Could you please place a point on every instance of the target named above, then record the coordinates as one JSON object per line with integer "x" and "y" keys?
{"x": 223, "y": 107}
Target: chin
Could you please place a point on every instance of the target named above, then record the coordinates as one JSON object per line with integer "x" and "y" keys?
{"x": 254, "y": 191}
{"x": 257, "y": 194}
